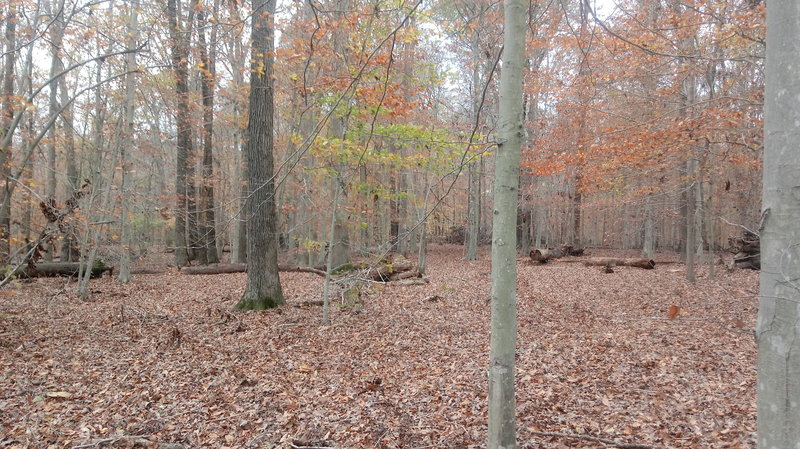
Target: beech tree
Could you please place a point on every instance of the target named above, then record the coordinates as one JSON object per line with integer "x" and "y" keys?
{"x": 502, "y": 421}
{"x": 778, "y": 314}
{"x": 263, "y": 290}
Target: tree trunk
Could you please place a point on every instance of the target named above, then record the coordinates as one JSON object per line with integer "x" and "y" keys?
{"x": 207, "y": 84}
{"x": 473, "y": 224}
{"x": 648, "y": 247}
{"x": 184, "y": 182}
{"x": 502, "y": 420}
{"x": 778, "y": 313}
{"x": 69, "y": 244}
{"x": 239, "y": 238}
{"x": 263, "y": 290}
{"x": 326, "y": 287}
{"x": 126, "y": 146}
{"x": 5, "y": 126}
{"x": 56, "y": 66}
{"x": 94, "y": 212}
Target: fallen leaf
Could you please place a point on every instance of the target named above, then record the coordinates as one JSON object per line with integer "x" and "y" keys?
{"x": 673, "y": 311}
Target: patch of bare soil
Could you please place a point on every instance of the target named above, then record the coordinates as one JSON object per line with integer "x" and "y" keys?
{"x": 164, "y": 359}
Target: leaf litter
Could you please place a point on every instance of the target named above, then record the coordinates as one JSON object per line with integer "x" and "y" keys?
{"x": 636, "y": 357}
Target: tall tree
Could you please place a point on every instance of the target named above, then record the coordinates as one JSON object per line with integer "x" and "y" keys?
{"x": 263, "y": 290}
{"x": 126, "y": 145}
{"x": 5, "y": 123}
{"x": 184, "y": 179}
{"x": 56, "y": 67}
{"x": 502, "y": 406}
{"x": 208, "y": 75}
{"x": 778, "y": 314}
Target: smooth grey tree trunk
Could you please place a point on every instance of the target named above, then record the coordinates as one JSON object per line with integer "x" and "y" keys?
{"x": 69, "y": 251}
{"x": 263, "y": 290}
{"x": 778, "y": 325}
{"x": 326, "y": 286}
{"x": 472, "y": 206}
{"x": 473, "y": 182}
{"x": 648, "y": 246}
{"x": 502, "y": 404}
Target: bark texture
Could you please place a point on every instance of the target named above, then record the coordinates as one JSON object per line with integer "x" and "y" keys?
{"x": 778, "y": 323}
{"x": 184, "y": 183}
{"x": 61, "y": 269}
{"x": 207, "y": 85}
{"x": 502, "y": 405}
{"x": 263, "y": 290}
{"x": 5, "y": 126}
{"x": 127, "y": 149}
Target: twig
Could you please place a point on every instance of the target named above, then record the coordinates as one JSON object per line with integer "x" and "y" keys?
{"x": 222, "y": 418}
{"x": 111, "y": 440}
{"x": 294, "y": 446}
{"x": 740, "y": 226}
{"x": 611, "y": 443}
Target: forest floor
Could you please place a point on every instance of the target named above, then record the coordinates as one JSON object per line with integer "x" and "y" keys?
{"x": 164, "y": 359}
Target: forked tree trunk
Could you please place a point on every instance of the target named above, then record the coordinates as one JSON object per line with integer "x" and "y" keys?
{"x": 502, "y": 420}
{"x": 778, "y": 314}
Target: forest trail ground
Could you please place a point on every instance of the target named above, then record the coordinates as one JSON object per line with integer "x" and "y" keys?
{"x": 165, "y": 358}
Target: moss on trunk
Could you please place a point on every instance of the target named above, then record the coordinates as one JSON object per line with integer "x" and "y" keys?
{"x": 261, "y": 303}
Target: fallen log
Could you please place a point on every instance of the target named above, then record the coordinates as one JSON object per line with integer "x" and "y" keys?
{"x": 384, "y": 271}
{"x": 219, "y": 268}
{"x": 570, "y": 250}
{"x": 228, "y": 268}
{"x": 751, "y": 261}
{"x": 149, "y": 271}
{"x": 543, "y": 255}
{"x": 405, "y": 275}
{"x": 298, "y": 269}
{"x": 417, "y": 281}
{"x": 748, "y": 251}
{"x": 60, "y": 269}
{"x": 647, "y": 264}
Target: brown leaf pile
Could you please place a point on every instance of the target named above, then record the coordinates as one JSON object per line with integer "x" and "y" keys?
{"x": 165, "y": 360}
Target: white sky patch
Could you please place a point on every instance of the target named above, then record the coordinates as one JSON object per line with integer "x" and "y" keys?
{"x": 604, "y": 8}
